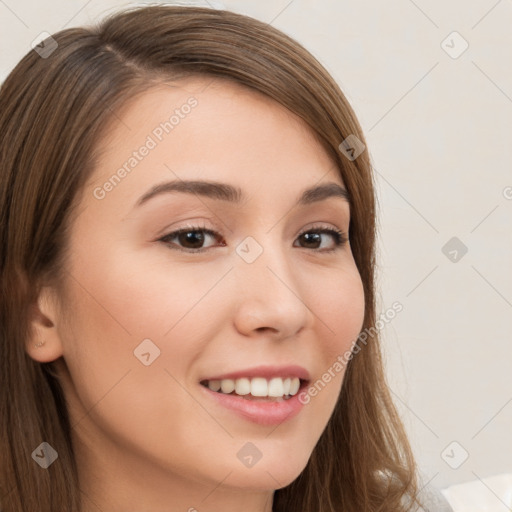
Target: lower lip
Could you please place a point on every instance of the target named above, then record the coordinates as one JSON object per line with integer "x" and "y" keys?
{"x": 259, "y": 411}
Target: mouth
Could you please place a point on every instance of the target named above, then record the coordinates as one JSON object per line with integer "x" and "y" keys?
{"x": 276, "y": 389}
{"x": 263, "y": 395}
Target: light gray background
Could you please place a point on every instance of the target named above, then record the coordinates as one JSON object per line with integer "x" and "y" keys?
{"x": 439, "y": 132}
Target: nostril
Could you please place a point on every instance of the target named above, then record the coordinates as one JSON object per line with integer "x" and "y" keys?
{"x": 260, "y": 329}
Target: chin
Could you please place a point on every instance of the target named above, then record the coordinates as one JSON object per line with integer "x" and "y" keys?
{"x": 274, "y": 473}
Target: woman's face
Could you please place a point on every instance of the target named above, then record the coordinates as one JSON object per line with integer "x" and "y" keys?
{"x": 256, "y": 287}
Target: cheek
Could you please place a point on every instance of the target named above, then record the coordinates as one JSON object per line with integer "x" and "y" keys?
{"x": 114, "y": 308}
{"x": 129, "y": 296}
{"x": 119, "y": 302}
{"x": 340, "y": 308}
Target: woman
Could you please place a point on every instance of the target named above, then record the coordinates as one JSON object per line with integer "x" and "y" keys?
{"x": 188, "y": 228}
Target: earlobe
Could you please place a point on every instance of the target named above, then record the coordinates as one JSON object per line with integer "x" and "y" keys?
{"x": 43, "y": 343}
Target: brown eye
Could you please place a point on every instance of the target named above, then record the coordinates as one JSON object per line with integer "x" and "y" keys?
{"x": 190, "y": 239}
{"x": 312, "y": 238}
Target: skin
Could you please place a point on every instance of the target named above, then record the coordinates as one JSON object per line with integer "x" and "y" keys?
{"x": 147, "y": 437}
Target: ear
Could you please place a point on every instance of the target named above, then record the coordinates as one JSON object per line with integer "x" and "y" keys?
{"x": 44, "y": 343}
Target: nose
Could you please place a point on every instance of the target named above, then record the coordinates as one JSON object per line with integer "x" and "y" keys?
{"x": 270, "y": 299}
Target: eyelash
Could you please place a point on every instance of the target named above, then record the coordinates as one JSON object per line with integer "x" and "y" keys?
{"x": 339, "y": 237}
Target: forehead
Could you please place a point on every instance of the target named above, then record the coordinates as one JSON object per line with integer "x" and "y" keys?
{"x": 209, "y": 128}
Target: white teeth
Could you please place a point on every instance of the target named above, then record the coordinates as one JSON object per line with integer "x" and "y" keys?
{"x": 294, "y": 386}
{"x": 275, "y": 387}
{"x": 286, "y": 386}
{"x": 214, "y": 385}
{"x": 227, "y": 385}
{"x": 242, "y": 386}
{"x": 258, "y": 387}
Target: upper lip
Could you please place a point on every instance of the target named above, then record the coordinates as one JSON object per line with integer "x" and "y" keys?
{"x": 265, "y": 371}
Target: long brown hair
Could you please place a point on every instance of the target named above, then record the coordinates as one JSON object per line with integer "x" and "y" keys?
{"x": 52, "y": 111}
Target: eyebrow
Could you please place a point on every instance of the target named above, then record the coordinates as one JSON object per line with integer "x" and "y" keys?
{"x": 226, "y": 192}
